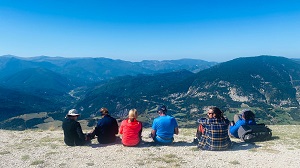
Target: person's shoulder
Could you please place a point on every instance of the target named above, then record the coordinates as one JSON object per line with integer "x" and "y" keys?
{"x": 157, "y": 119}
{"x": 76, "y": 123}
{"x": 172, "y": 118}
{"x": 125, "y": 121}
{"x": 112, "y": 117}
{"x": 139, "y": 122}
{"x": 66, "y": 120}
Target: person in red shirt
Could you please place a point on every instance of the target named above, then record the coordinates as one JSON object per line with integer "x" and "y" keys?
{"x": 131, "y": 129}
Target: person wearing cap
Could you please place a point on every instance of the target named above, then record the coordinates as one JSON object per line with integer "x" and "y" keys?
{"x": 164, "y": 127}
{"x": 107, "y": 128}
{"x": 247, "y": 117}
{"x": 73, "y": 135}
{"x": 131, "y": 129}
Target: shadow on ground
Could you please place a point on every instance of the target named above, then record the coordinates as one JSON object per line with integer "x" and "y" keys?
{"x": 243, "y": 146}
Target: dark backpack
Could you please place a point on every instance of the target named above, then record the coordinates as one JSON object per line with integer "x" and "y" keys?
{"x": 254, "y": 133}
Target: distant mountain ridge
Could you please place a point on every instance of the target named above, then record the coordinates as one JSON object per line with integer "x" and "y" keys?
{"x": 58, "y": 79}
{"x": 269, "y": 85}
{"x": 91, "y": 70}
{"x": 265, "y": 79}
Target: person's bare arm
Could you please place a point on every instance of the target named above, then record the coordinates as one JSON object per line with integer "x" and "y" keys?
{"x": 176, "y": 131}
{"x": 153, "y": 132}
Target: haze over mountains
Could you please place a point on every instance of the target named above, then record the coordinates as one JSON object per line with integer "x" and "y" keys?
{"x": 270, "y": 85}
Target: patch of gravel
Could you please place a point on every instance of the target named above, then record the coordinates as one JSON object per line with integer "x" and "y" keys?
{"x": 36, "y": 148}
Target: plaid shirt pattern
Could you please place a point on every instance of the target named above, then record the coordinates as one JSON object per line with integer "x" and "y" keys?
{"x": 215, "y": 136}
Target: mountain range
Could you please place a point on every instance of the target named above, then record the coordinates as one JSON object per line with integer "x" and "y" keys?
{"x": 269, "y": 85}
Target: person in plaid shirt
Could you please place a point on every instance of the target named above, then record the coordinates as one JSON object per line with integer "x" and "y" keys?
{"x": 215, "y": 135}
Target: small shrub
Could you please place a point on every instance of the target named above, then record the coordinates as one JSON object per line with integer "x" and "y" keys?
{"x": 62, "y": 165}
{"x": 37, "y": 162}
{"x": 25, "y": 157}
{"x": 90, "y": 164}
{"x": 252, "y": 150}
{"x": 194, "y": 149}
{"x": 26, "y": 139}
{"x": 4, "y": 152}
{"x": 52, "y": 128}
{"x": 235, "y": 162}
{"x": 51, "y": 153}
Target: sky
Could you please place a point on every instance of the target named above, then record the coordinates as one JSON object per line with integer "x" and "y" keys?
{"x": 135, "y": 30}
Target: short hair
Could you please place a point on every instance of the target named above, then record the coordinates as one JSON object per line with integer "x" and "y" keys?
{"x": 162, "y": 109}
{"x": 104, "y": 110}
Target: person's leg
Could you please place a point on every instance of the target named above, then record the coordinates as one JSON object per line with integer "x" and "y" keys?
{"x": 155, "y": 140}
{"x": 161, "y": 141}
{"x": 198, "y": 134}
{"x": 236, "y": 117}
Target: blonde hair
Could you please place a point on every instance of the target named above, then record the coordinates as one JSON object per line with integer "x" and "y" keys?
{"x": 133, "y": 114}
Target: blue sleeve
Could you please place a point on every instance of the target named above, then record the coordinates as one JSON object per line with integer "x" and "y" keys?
{"x": 233, "y": 129}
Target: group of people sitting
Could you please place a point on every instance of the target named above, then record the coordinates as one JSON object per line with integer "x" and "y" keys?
{"x": 213, "y": 133}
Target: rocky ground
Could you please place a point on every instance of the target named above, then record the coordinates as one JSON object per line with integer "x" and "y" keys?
{"x": 45, "y": 148}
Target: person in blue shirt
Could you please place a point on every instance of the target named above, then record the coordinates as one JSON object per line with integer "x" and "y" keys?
{"x": 247, "y": 117}
{"x": 164, "y": 127}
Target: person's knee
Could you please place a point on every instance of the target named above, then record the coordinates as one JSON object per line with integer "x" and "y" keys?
{"x": 236, "y": 117}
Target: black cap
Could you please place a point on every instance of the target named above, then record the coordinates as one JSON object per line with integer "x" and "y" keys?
{"x": 162, "y": 108}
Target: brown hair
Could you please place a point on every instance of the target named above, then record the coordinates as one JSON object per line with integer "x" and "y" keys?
{"x": 217, "y": 112}
{"x": 104, "y": 110}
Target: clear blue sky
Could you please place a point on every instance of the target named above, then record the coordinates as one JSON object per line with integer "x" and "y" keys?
{"x": 135, "y": 30}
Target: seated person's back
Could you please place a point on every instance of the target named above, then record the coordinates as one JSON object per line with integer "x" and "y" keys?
{"x": 73, "y": 135}
{"x": 246, "y": 118}
{"x": 215, "y": 136}
{"x": 107, "y": 128}
{"x": 131, "y": 129}
{"x": 164, "y": 127}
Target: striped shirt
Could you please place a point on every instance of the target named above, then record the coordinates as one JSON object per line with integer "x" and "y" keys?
{"x": 215, "y": 136}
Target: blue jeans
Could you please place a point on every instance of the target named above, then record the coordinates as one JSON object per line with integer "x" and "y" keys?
{"x": 163, "y": 141}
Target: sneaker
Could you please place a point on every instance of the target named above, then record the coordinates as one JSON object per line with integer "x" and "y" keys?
{"x": 196, "y": 141}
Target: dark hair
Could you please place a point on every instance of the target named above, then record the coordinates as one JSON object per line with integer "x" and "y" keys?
{"x": 249, "y": 115}
{"x": 162, "y": 109}
{"x": 217, "y": 112}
